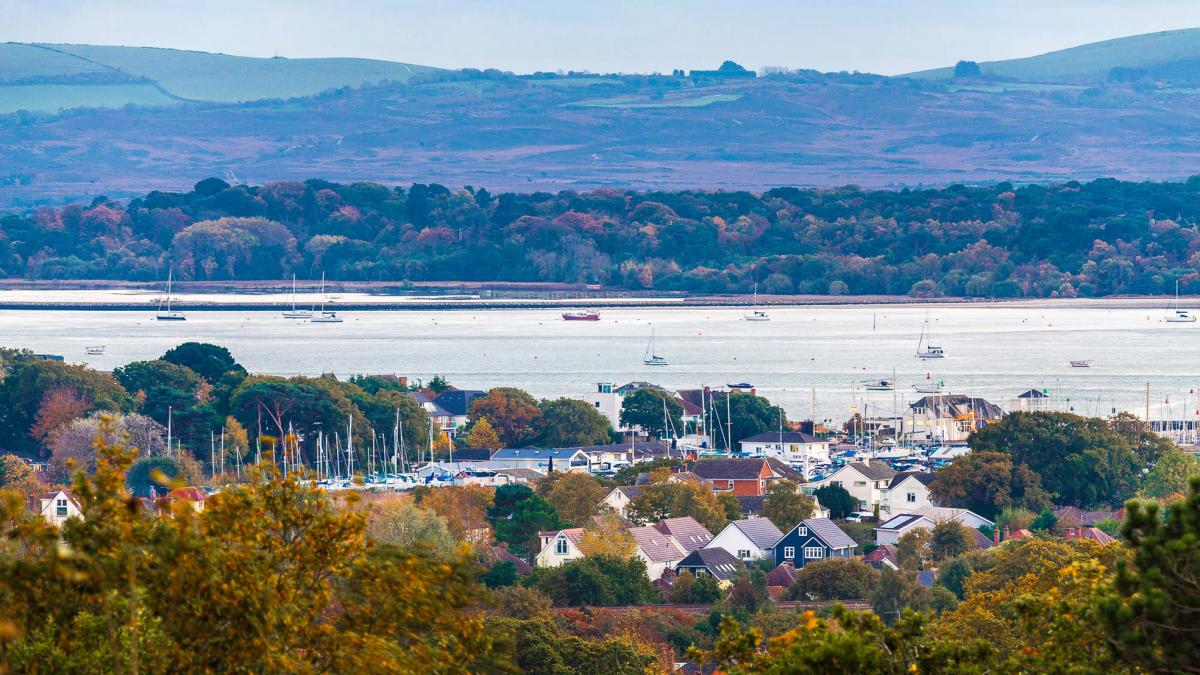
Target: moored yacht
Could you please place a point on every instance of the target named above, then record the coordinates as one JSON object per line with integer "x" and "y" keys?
{"x": 169, "y": 314}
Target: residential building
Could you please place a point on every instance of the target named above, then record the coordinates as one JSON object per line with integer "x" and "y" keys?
{"x": 690, "y": 534}
{"x": 890, "y": 531}
{"x": 750, "y": 505}
{"x": 191, "y": 496}
{"x": 907, "y": 491}
{"x": 456, "y": 403}
{"x": 559, "y": 547}
{"x": 442, "y": 418}
{"x": 813, "y": 539}
{"x": 867, "y": 481}
{"x": 794, "y": 448}
{"x": 660, "y": 552}
{"x": 57, "y": 507}
{"x": 1094, "y": 533}
{"x": 1033, "y": 400}
{"x": 882, "y": 557}
{"x": 779, "y": 579}
{"x": 715, "y": 562}
{"x": 615, "y": 455}
{"x": 1070, "y": 516}
{"x": 620, "y": 497}
{"x": 947, "y": 418}
{"x": 607, "y": 402}
{"x": 748, "y": 539}
{"x": 739, "y": 477}
{"x": 544, "y": 460}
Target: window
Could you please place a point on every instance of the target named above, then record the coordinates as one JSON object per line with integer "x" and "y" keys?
{"x": 597, "y": 404}
{"x": 802, "y": 531}
{"x": 813, "y": 553}
{"x": 860, "y": 483}
{"x": 912, "y": 497}
{"x": 789, "y": 552}
{"x": 560, "y": 546}
{"x": 60, "y": 508}
{"x": 743, "y": 553}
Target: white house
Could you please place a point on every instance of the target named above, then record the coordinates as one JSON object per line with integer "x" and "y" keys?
{"x": 659, "y": 551}
{"x": 620, "y": 497}
{"x": 794, "y": 448}
{"x": 559, "y": 547}
{"x": 947, "y": 418}
{"x": 1033, "y": 400}
{"x": 748, "y": 539}
{"x": 890, "y": 531}
{"x": 867, "y": 481}
{"x": 544, "y": 460}
{"x": 58, "y": 507}
{"x": 607, "y": 402}
{"x": 907, "y": 492}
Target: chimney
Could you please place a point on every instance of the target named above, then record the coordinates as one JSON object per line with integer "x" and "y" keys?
{"x": 403, "y": 380}
{"x": 995, "y": 534}
{"x": 1006, "y": 533}
{"x": 866, "y": 461}
{"x": 753, "y": 391}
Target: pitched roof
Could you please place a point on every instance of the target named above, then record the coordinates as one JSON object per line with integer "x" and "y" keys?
{"x": 829, "y": 532}
{"x": 900, "y": 522}
{"x": 881, "y": 552}
{"x": 876, "y": 470}
{"x": 751, "y": 503}
{"x": 1033, "y": 393}
{"x": 502, "y": 553}
{"x": 784, "y": 470}
{"x": 477, "y": 454}
{"x": 981, "y": 539}
{"x": 940, "y": 513}
{"x": 952, "y": 406}
{"x": 1076, "y": 516}
{"x": 457, "y": 401}
{"x": 630, "y": 491}
{"x": 760, "y": 531}
{"x": 1097, "y": 535}
{"x": 573, "y": 534}
{"x": 719, "y": 562}
{"x": 729, "y": 469}
{"x": 787, "y": 436}
{"x": 657, "y": 546}
{"x": 925, "y": 477}
{"x": 190, "y": 494}
{"x": 690, "y": 534}
{"x": 783, "y": 575}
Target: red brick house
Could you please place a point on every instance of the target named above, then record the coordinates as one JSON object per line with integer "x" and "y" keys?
{"x": 739, "y": 477}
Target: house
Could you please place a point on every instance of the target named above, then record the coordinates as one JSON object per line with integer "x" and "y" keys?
{"x": 794, "y": 448}
{"x": 660, "y": 552}
{"x": 607, "y": 401}
{"x": 1094, "y": 533}
{"x": 883, "y": 557}
{"x": 813, "y": 539}
{"x": 619, "y": 498}
{"x": 1033, "y": 400}
{"x": 57, "y": 507}
{"x": 779, "y": 579}
{"x": 947, "y": 418}
{"x": 890, "y": 531}
{"x": 690, "y": 534}
{"x": 472, "y": 454}
{"x": 543, "y": 460}
{"x": 615, "y": 455}
{"x": 1070, "y": 516}
{"x": 750, "y": 505}
{"x": 559, "y": 547}
{"x": 191, "y": 496}
{"x": 716, "y": 562}
{"x": 740, "y": 477}
{"x": 456, "y": 403}
{"x": 907, "y": 491}
{"x": 867, "y": 481}
{"x": 748, "y": 539}
{"x": 496, "y": 554}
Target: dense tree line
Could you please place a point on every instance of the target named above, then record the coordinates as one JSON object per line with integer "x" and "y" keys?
{"x": 1099, "y": 238}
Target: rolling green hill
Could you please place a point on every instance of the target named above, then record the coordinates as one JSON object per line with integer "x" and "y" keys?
{"x": 47, "y": 78}
{"x": 1092, "y": 62}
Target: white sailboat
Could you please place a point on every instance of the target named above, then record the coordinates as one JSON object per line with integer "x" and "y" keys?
{"x": 1175, "y": 314}
{"x": 925, "y": 349}
{"x": 755, "y": 314}
{"x": 169, "y": 314}
{"x": 650, "y": 358}
{"x": 325, "y": 316}
{"x": 296, "y": 313}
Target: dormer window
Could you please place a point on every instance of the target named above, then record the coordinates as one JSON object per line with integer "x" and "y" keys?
{"x": 560, "y": 546}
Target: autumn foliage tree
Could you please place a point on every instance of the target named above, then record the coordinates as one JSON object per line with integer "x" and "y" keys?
{"x": 513, "y": 413}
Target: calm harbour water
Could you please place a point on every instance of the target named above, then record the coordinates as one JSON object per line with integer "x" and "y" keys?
{"x": 994, "y": 351}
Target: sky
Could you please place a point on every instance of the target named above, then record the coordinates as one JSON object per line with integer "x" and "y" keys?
{"x": 879, "y": 36}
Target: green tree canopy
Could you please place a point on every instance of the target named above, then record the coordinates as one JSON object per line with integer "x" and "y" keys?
{"x": 837, "y": 500}
{"x": 513, "y": 413}
{"x": 649, "y": 409}
{"x": 786, "y": 506}
{"x": 987, "y": 483}
{"x": 517, "y": 515}
{"x": 207, "y": 360}
{"x": 834, "y": 579}
{"x": 569, "y": 422}
{"x": 599, "y": 581}
{"x": 31, "y": 393}
{"x": 750, "y": 414}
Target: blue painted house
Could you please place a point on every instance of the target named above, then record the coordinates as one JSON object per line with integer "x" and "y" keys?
{"x": 813, "y": 539}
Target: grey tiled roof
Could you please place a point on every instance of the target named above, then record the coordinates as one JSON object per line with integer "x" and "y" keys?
{"x": 926, "y": 477}
{"x": 689, "y": 533}
{"x": 788, "y": 437}
{"x": 729, "y": 469}
{"x": 761, "y": 531}
{"x": 719, "y": 562}
{"x": 830, "y": 533}
{"x": 876, "y": 470}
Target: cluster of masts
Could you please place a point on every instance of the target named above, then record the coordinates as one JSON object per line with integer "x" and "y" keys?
{"x": 314, "y": 315}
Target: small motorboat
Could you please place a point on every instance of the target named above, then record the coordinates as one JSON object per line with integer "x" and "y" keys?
{"x": 586, "y": 315}
{"x": 879, "y": 385}
{"x": 97, "y": 350}
{"x": 739, "y": 385}
{"x": 1081, "y": 364}
{"x": 326, "y": 317}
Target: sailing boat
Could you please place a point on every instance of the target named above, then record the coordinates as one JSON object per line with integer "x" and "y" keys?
{"x": 1175, "y": 314}
{"x": 650, "y": 358}
{"x": 169, "y": 314}
{"x": 755, "y": 314}
{"x": 296, "y": 313}
{"x": 926, "y": 350}
{"x": 325, "y": 316}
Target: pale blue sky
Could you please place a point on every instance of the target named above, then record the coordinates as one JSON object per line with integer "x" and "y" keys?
{"x": 604, "y": 35}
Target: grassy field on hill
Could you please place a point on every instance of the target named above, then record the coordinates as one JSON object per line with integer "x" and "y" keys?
{"x": 1091, "y": 62}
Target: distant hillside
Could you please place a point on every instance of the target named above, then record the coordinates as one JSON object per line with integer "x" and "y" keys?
{"x": 1092, "y": 63}
{"x": 47, "y": 78}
